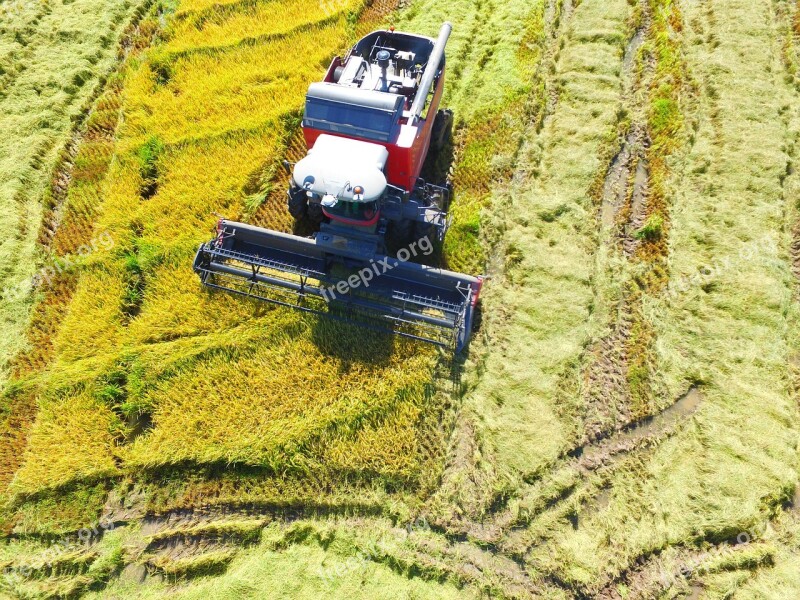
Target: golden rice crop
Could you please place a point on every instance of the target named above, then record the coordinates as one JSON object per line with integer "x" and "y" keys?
{"x": 206, "y": 94}
{"x": 390, "y": 447}
{"x": 175, "y": 306}
{"x": 190, "y": 6}
{"x": 202, "y": 179}
{"x": 19, "y": 410}
{"x": 43, "y": 327}
{"x": 53, "y": 56}
{"x": 93, "y": 324}
{"x": 227, "y": 26}
{"x": 263, "y": 407}
{"x": 224, "y": 380}
{"x": 72, "y": 438}
{"x": 89, "y": 172}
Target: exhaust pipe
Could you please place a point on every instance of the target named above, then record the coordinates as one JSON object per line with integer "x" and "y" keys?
{"x": 435, "y": 61}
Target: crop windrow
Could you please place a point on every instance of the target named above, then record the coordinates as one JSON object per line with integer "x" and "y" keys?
{"x": 530, "y": 220}
{"x": 622, "y": 380}
{"x": 720, "y": 207}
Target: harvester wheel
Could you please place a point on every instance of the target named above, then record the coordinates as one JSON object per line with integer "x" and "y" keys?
{"x": 425, "y": 230}
{"x": 315, "y": 214}
{"x": 398, "y": 235}
{"x": 442, "y": 129}
{"x": 298, "y": 205}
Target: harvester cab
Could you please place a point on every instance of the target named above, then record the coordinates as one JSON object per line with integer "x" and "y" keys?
{"x": 326, "y": 178}
{"x": 369, "y": 126}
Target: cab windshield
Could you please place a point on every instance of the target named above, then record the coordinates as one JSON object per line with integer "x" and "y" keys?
{"x": 353, "y": 211}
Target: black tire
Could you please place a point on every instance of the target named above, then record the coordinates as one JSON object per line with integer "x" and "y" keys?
{"x": 315, "y": 214}
{"x": 423, "y": 229}
{"x": 398, "y": 235}
{"x": 442, "y": 129}
{"x": 298, "y": 204}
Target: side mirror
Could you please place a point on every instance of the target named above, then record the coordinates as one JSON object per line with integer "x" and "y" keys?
{"x": 287, "y": 166}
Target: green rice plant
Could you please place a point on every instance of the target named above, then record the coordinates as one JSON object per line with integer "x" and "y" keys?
{"x": 148, "y": 156}
{"x": 201, "y": 415}
{"x": 652, "y": 230}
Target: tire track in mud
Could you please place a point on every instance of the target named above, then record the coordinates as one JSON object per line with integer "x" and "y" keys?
{"x": 608, "y": 399}
{"x": 165, "y": 541}
{"x": 786, "y": 16}
{"x": 682, "y": 570}
{"x": 568, "y": 492}
{"x": 623, "y": 208}
{"x": 550, "y": 495}
{"x": 558, "y": 14}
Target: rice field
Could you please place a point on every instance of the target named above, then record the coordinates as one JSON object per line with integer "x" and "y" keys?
{"x": 625, "y": 422}
{"x": 185, "y": 149}
{"x": 53, "y": 59}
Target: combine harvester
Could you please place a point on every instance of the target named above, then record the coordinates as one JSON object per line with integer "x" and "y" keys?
{"x": 369, "y": 126}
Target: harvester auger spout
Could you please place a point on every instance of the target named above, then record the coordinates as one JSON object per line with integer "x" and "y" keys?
{"x": 368, "y": 127}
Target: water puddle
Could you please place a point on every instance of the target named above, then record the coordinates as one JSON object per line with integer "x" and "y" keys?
{"x": 615, "y": 187}
{"x": 651, "y": 427}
